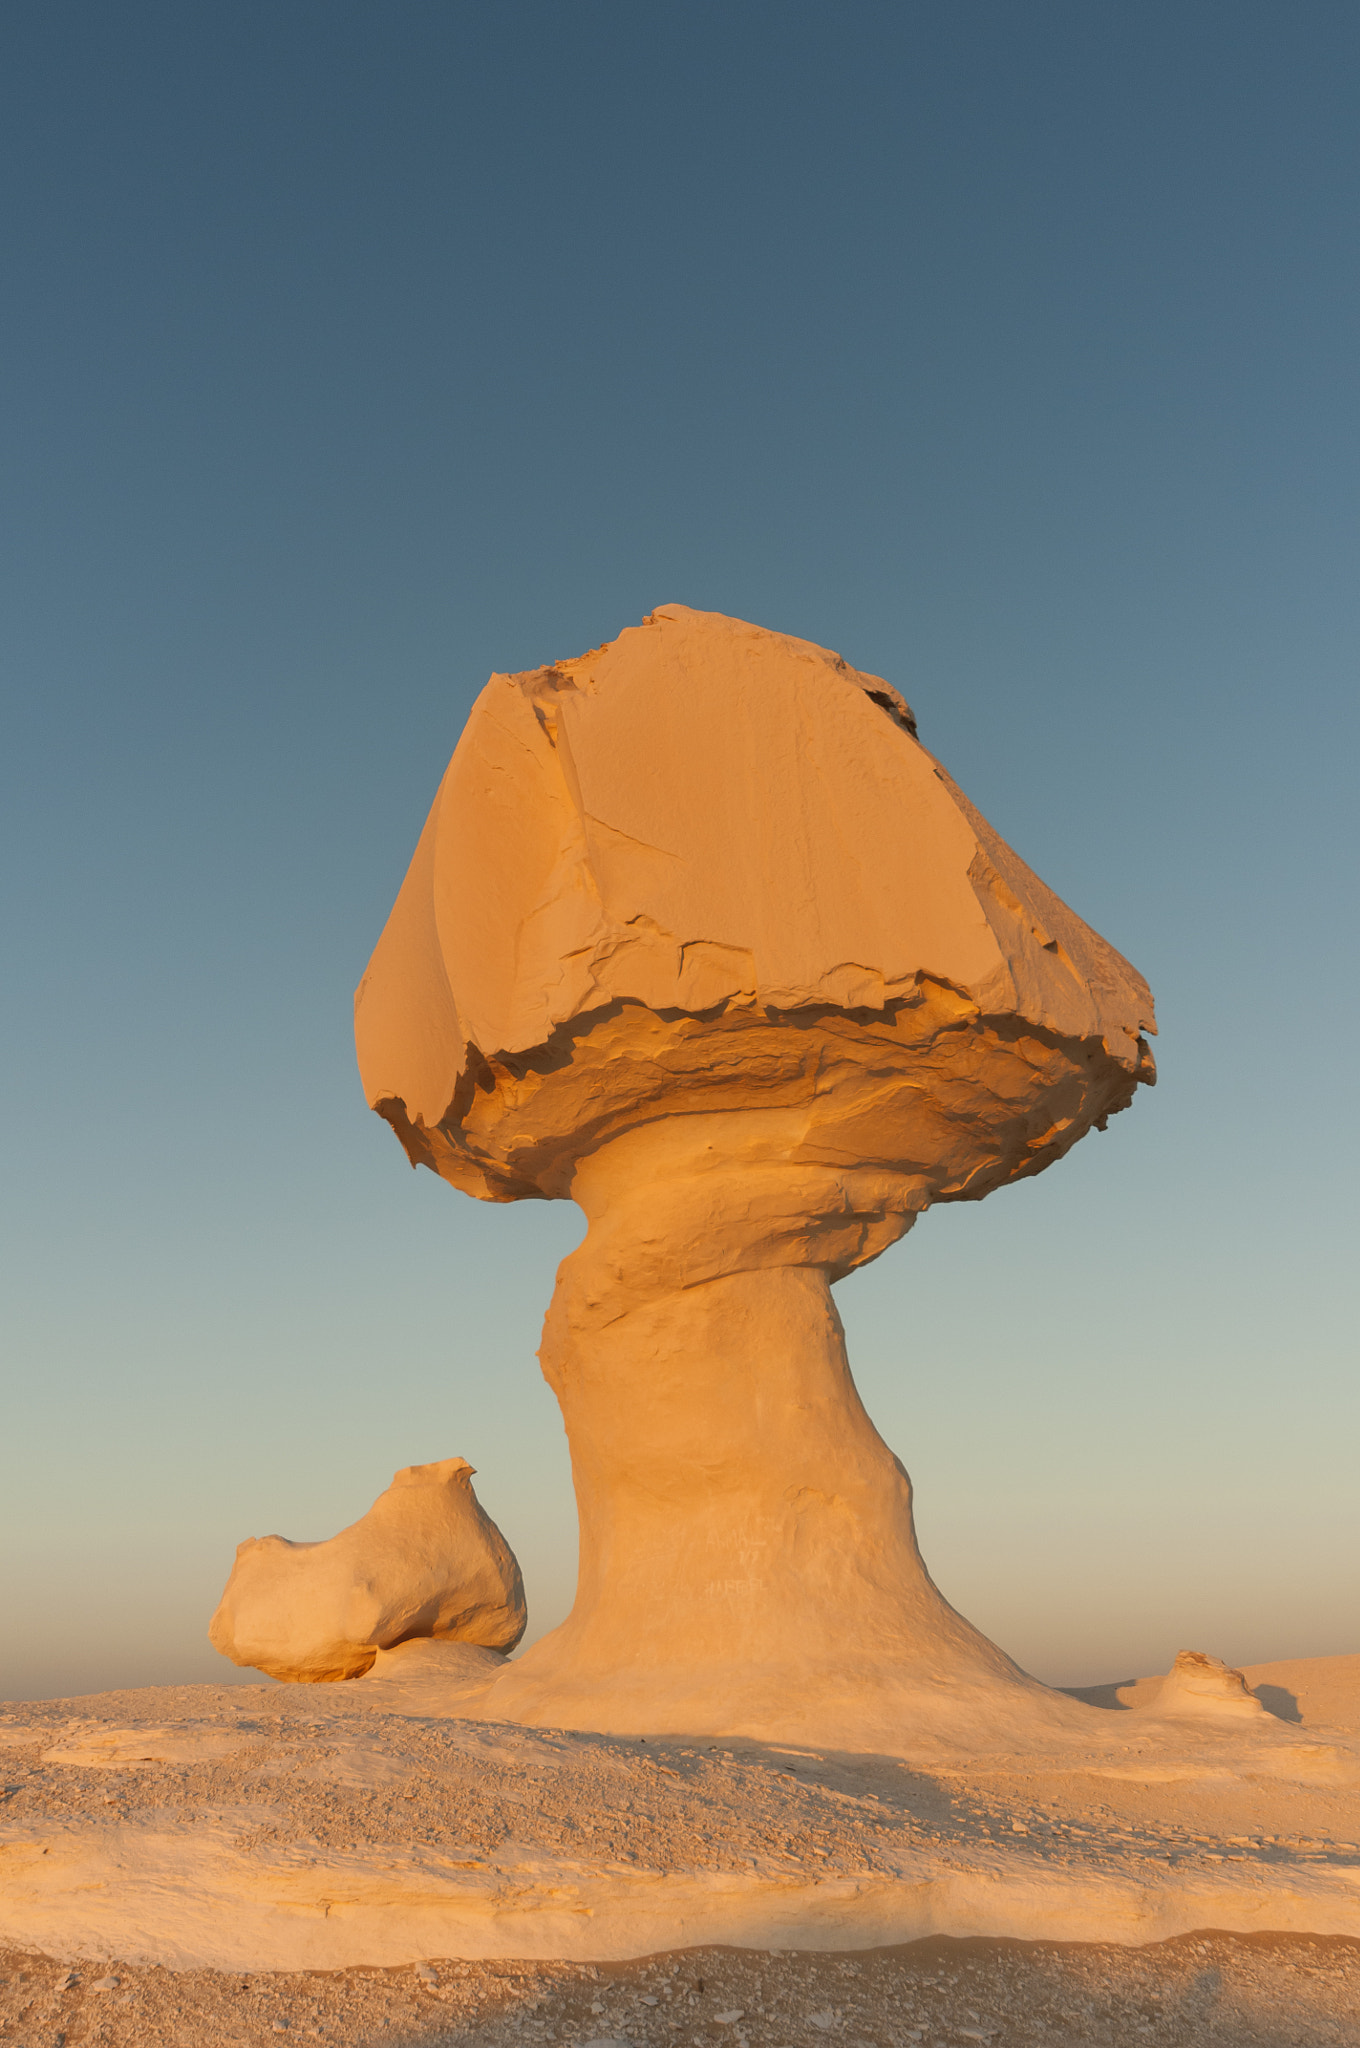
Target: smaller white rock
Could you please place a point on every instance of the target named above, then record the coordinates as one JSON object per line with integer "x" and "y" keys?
{"x": 425, "y": 1561}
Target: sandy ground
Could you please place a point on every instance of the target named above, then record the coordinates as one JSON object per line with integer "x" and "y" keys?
{"x": 370, "y": 1829}
{"x": 1206, "y": 1988}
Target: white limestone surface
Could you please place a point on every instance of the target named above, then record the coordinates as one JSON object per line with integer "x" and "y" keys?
{"x": 374, "y": 1822}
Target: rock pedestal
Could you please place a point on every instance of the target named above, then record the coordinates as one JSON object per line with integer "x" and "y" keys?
{"x": 699, "y": 936}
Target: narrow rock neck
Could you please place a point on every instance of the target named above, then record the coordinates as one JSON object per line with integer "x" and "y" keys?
{"x": 727, "y": 1475}
{"x": 737, "y": 1505}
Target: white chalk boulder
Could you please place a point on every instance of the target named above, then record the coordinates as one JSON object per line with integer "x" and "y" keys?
{"x": 426, "y": 1560}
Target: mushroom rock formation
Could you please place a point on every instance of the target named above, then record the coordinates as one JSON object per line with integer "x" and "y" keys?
{"x": 699, "y": 935}
{"x": 426, "y": 1560}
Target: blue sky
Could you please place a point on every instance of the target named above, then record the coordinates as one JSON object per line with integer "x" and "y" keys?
{"x": 353, "y": 352}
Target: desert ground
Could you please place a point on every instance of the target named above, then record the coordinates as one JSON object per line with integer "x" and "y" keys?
{"x": 228, "y": 1864}
{"x": 1230, "y": 1989}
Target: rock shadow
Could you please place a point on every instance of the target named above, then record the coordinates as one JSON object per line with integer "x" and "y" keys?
{"x": 1106, "y": 1696}
{"x": 1278, "y": 1700}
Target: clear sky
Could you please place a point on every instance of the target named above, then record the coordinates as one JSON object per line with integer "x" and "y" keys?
{"x": 351, "y": 352}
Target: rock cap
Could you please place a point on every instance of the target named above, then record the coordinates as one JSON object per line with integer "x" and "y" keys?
{"x": 700, "y": 818}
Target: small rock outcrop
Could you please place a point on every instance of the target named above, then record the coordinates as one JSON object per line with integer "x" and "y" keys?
{"x": 426, "y": 1560}
{"x": 1200, "y": 1684}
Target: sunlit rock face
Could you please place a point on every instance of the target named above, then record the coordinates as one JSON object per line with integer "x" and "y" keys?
{"x": 735, "y": 835}
{"x": 698, "y": 934}
{"x": 1198, "y": 1684}
{"x": 425, "y": 1561}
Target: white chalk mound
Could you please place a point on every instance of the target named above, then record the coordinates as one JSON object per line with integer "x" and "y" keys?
{"x": 426, "y": 1560}
{"x": 1200, "y": 1684}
